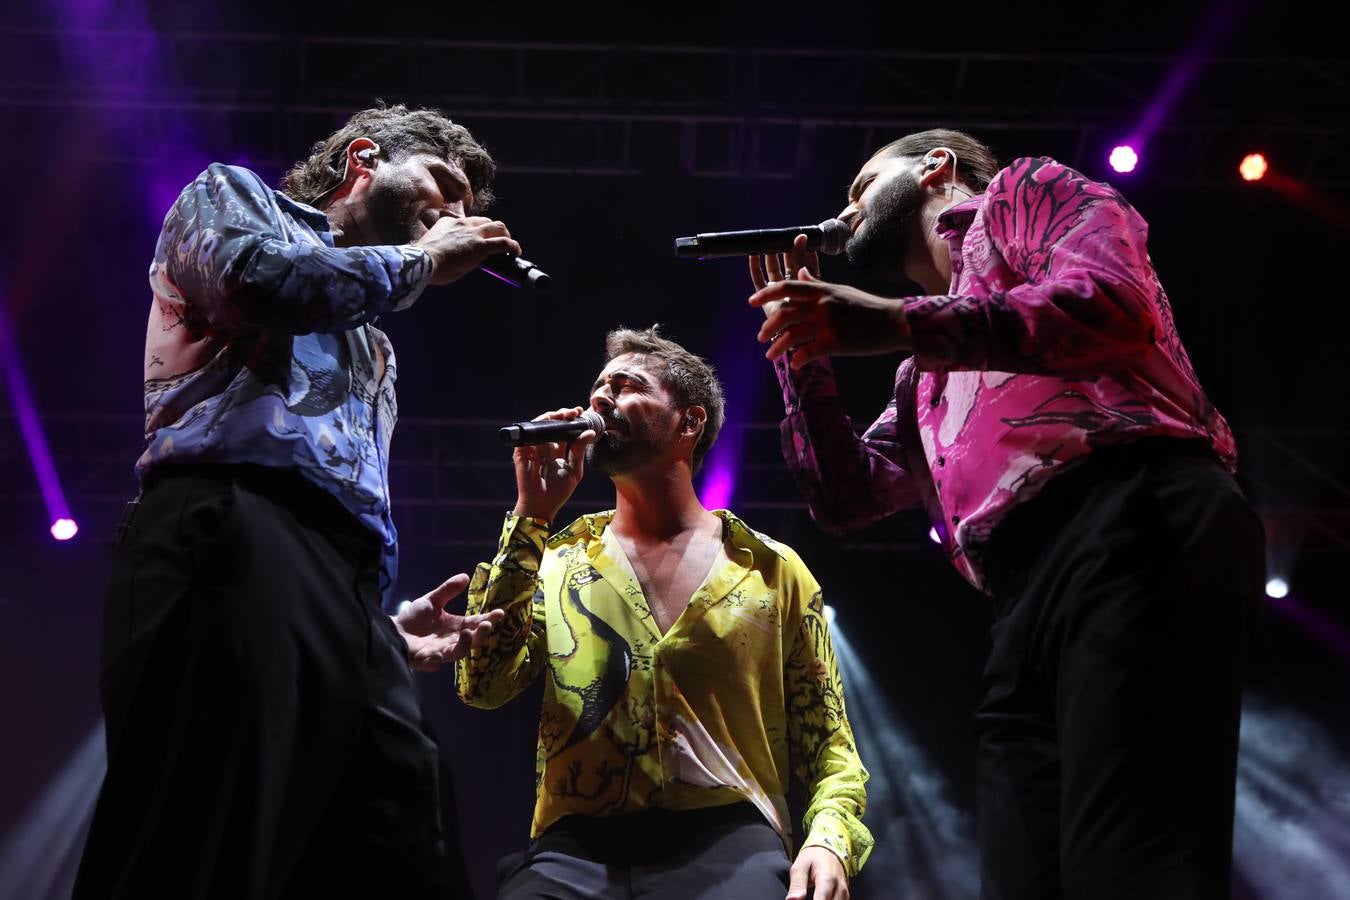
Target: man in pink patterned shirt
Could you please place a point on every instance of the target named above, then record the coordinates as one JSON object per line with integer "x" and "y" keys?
{"x": 1050, "y": 421}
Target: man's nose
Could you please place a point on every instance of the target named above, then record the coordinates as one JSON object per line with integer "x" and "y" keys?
{"x": 601, "y": 400}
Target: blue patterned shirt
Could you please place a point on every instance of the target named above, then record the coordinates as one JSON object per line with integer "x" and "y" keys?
{"x": 259, "y": 347}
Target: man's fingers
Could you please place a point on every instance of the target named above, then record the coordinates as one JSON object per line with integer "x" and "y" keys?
{"x": 786, "y": 316}
{"x": 804, "y": 260}
{"x": 757, "y": 272}
{"x": 498, "y": 245}
{"x": 450, "y": 588}
{"x": 469, "y": 623}
{"x": 826, "y": 885}
{"x": 566, "y": 412}
{"x": 789, "y": 290}
{"x": 787, "y": 341}
{"x": 478, "y": 637}
{"x": 798, "y": 880}
{"x": 773, "y": 266}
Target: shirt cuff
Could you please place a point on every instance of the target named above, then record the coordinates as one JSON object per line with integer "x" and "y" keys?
{"x": 815, "y": 379}
{"x": 830, "y": 833}
{"x": 939, "y": 335}
{"x": 417, "y": 268}
{"x": 522, "y": 533}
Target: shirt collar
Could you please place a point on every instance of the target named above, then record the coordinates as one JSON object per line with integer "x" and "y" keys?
{"x": 304, "y": 212}
{"x": 590, "y": 529}
{"x": 954, "y": 220}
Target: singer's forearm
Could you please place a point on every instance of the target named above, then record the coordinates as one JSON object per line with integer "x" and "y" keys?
{"x": 223, "y": 250}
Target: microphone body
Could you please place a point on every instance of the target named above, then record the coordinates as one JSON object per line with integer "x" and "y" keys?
{"x": 551, "y": 430}
{"x": 516, "y": 271}
{"x": 828, "y": 237}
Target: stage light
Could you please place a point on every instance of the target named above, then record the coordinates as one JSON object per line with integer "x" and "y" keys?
{"x": 1293, "y": 799}
{"x": 1253, "y": 167}
{"x": 40, "y": 849}
{"x": 928, "y": 836}
{"x": 720, "y": 481}
{"x": 933, "y": 535}
{"x": 64, "y": 529}
{"x": 829, "y": 613}
{"x": 1124, "y": 158}
{"x": 30, "y": 427}
{"x": 1277, "y": 589}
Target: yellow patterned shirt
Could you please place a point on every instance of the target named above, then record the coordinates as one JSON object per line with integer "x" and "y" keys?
{"x": 742, "y": 687}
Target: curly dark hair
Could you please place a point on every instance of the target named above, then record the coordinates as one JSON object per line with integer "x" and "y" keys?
{"x": 399, "y": 131}
{"x": 691, "y": 380}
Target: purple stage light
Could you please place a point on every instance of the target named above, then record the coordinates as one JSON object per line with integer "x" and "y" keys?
{"x": 720, "y": 482}
{"x": 64, "y": 529}
{"x": 1124, "y": 158}
{"x": 21, "y": 399}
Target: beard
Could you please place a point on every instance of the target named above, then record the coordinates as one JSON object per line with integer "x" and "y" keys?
{"x": 616, "y": 454}
{"x": 392, "y": 211}
{"x": 878, "y": 246}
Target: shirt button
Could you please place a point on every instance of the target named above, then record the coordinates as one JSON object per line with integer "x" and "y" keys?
{"x": 942, "y": 460}
{"x": 956, "y": 520}
{"x": 937, "y": 399}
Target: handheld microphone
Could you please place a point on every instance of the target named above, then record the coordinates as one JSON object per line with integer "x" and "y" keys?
{"x": 516, "y": 271}
{"x": 828, "y": 237}
{"x": 550, "y": 430}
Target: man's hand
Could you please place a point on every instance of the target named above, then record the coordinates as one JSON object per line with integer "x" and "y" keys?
{"x": 817, "y": 868}
{"x": 771, "y": 267}
{"x": 459, "y": 244}
{"x": 436, "y": 637}
{"x": 547, "y": 474}
{"x": 814, "y": 319}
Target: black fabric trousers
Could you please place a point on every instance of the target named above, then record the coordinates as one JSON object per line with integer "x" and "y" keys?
{"x": 722, "y": 853}
{"x": 265, "y": 737}
{"x": 1108, "y": 731}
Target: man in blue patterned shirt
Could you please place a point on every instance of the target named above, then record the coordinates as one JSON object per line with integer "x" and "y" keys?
{"x": 264, "y": 732}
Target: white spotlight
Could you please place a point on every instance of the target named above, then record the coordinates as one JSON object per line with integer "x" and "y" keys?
{"x": 829, "y": 614}
{"x": 1277, "y": 589}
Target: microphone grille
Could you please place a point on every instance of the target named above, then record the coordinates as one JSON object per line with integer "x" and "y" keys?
{"x": 834, "y": 234}
{"x": 594, "y": 420}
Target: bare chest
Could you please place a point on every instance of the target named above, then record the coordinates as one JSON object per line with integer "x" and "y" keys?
{"x": 670, "y": 574}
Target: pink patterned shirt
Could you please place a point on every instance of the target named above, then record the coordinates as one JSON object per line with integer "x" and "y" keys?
{"x": 1056, "y": 339}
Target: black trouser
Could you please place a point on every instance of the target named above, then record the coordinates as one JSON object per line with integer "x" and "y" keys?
{"x": 722, "y": 853}
{"x": 1109, "y": 727}
{"x": 265, "y": 738}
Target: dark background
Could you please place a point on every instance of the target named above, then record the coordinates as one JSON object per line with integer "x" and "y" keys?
{"x": 617, "y": 130}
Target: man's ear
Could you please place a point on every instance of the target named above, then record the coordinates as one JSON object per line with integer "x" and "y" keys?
{"x": 939, "y": 166}
{"x": 694, "y": 417}
{"x": 363, "y": 155}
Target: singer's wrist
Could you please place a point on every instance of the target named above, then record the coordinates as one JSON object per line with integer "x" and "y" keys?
{"x": 525, "y": 510}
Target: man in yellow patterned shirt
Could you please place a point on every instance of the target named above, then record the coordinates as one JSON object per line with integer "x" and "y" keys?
{"x": 687, "y": 662}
